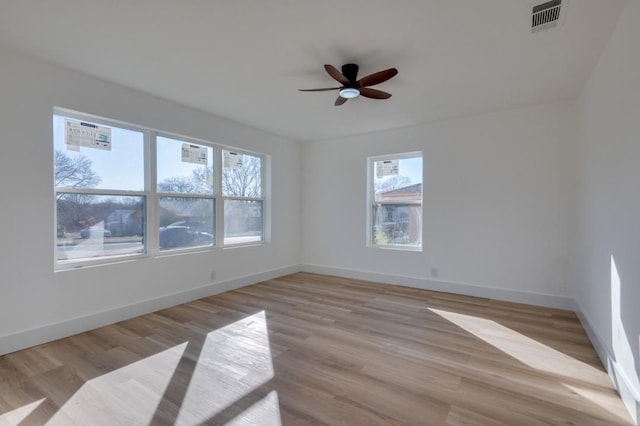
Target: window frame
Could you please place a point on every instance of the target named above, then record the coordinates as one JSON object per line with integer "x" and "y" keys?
{"x": 159, "y": 195}
{"x": 372, "y": 203}
{"x": 224, "y": 198}
{"x": 152, "y": 196}
{"x": 144, "y": 193}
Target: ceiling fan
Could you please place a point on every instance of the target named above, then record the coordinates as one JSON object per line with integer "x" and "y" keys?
{"x": 352, "y": 88}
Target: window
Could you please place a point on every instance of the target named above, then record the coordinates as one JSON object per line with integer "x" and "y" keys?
{"x": 123, "y": 190}
{"x": 185, "y": 187}
{"x": 242, "y": 194}
{"x": 99, "y": 189}
{"x": 395, "y": 201}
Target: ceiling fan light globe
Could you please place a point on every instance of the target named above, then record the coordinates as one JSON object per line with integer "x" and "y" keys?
{"x": 349, "y": 93}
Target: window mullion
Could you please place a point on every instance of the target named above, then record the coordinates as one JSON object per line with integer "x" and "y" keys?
{"x": 244, "y": 198}
{"x": 219, "y": 200}
{"x": 153, "y": 206}
{"x": 98, "y": 191}
{"x": 180, "y": 195}
{"x": 399, "y": 201}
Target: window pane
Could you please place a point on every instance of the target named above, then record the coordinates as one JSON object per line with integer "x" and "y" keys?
{"x": 241, "y": 175}
{"x": 398, "y": 224}
{"x": 396, "y": 215}
{"x": 242, "y": 221}
{"x": 184, "y": 168}
{"x": 118, "y": 165}
{"x": 91, "y": 226}
{"x": 398, "y": 179}
{"x": 186, "y": 222}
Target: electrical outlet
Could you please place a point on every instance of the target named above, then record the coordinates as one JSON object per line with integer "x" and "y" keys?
{"x": 213, "y": 275}
{"x": 434, "y": 272}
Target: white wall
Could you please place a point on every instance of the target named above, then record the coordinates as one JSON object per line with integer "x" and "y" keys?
{"x": 36, "y": 303}
{"x": 499, "y": 208}
{"x": 607, "y": 281}
{"x": 498, "y": 202}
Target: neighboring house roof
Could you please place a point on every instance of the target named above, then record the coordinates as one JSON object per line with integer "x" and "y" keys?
{"x": 411, "y": 192}
{"x": 415, "y": 188}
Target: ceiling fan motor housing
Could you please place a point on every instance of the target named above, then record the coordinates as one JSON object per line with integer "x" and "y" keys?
{"x": 350, "y": 71}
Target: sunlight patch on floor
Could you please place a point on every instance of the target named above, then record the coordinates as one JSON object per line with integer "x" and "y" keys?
{"x": 263, "y": 412}
{"x": 234, "y": 361}
{"x": 610, "y": 401}
{"x": 526, "y": 350}
{"x": 543, "y": 358}
{"x": 14, "y": 417}
{"x": 128, "y": 395}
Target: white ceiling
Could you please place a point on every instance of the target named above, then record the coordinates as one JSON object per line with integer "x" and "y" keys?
{"x": 245, "y": 60}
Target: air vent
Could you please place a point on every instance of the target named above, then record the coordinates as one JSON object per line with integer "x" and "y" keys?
{"x": 545, "y": 15}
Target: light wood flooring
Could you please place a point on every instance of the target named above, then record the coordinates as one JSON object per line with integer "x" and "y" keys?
{"x": 313, "y": 349}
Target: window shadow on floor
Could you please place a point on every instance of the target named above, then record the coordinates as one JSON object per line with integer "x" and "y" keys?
{"x": 315, "y": 349}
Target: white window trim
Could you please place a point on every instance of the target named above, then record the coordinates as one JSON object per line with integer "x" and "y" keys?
{"x": 263, "y": 199}
{"x": 370, "y": 202}
{"x": 154, "y": 232}
{"x": 152, "y": 196}
{"x": 61, "y": 265}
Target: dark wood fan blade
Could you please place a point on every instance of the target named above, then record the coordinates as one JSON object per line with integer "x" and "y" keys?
{"x": 377, "y": 78}
{"x": 374, "y": 93}
{"x": 340, "y": 101}
{"x": 336, "y": 75}
{"x": 319, "y": 90}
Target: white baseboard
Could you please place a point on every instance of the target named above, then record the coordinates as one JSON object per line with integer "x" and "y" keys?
{"x": 629, "y": 393}
{"x": 547, "y": 300}
{"x": 35, "y": 336}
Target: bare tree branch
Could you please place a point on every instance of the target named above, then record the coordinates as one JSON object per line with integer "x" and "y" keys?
{"x": 200, "y": 182}
{"x": 74, "y": 172}
{"x": 390, "y": 184}
{"x": 245, "y": 181}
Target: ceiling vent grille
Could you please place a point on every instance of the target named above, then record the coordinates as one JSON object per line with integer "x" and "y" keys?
{"x": 545, "y": 15}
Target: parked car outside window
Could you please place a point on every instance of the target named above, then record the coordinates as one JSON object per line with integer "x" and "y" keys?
{"x": 183, "y": 236}
{"x": 88, "y": 232}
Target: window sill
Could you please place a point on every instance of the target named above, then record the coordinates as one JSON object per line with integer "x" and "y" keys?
{"x": 395, "y": 247}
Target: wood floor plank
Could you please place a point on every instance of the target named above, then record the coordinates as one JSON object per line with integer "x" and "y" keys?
{"x": 308, "y": 349}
